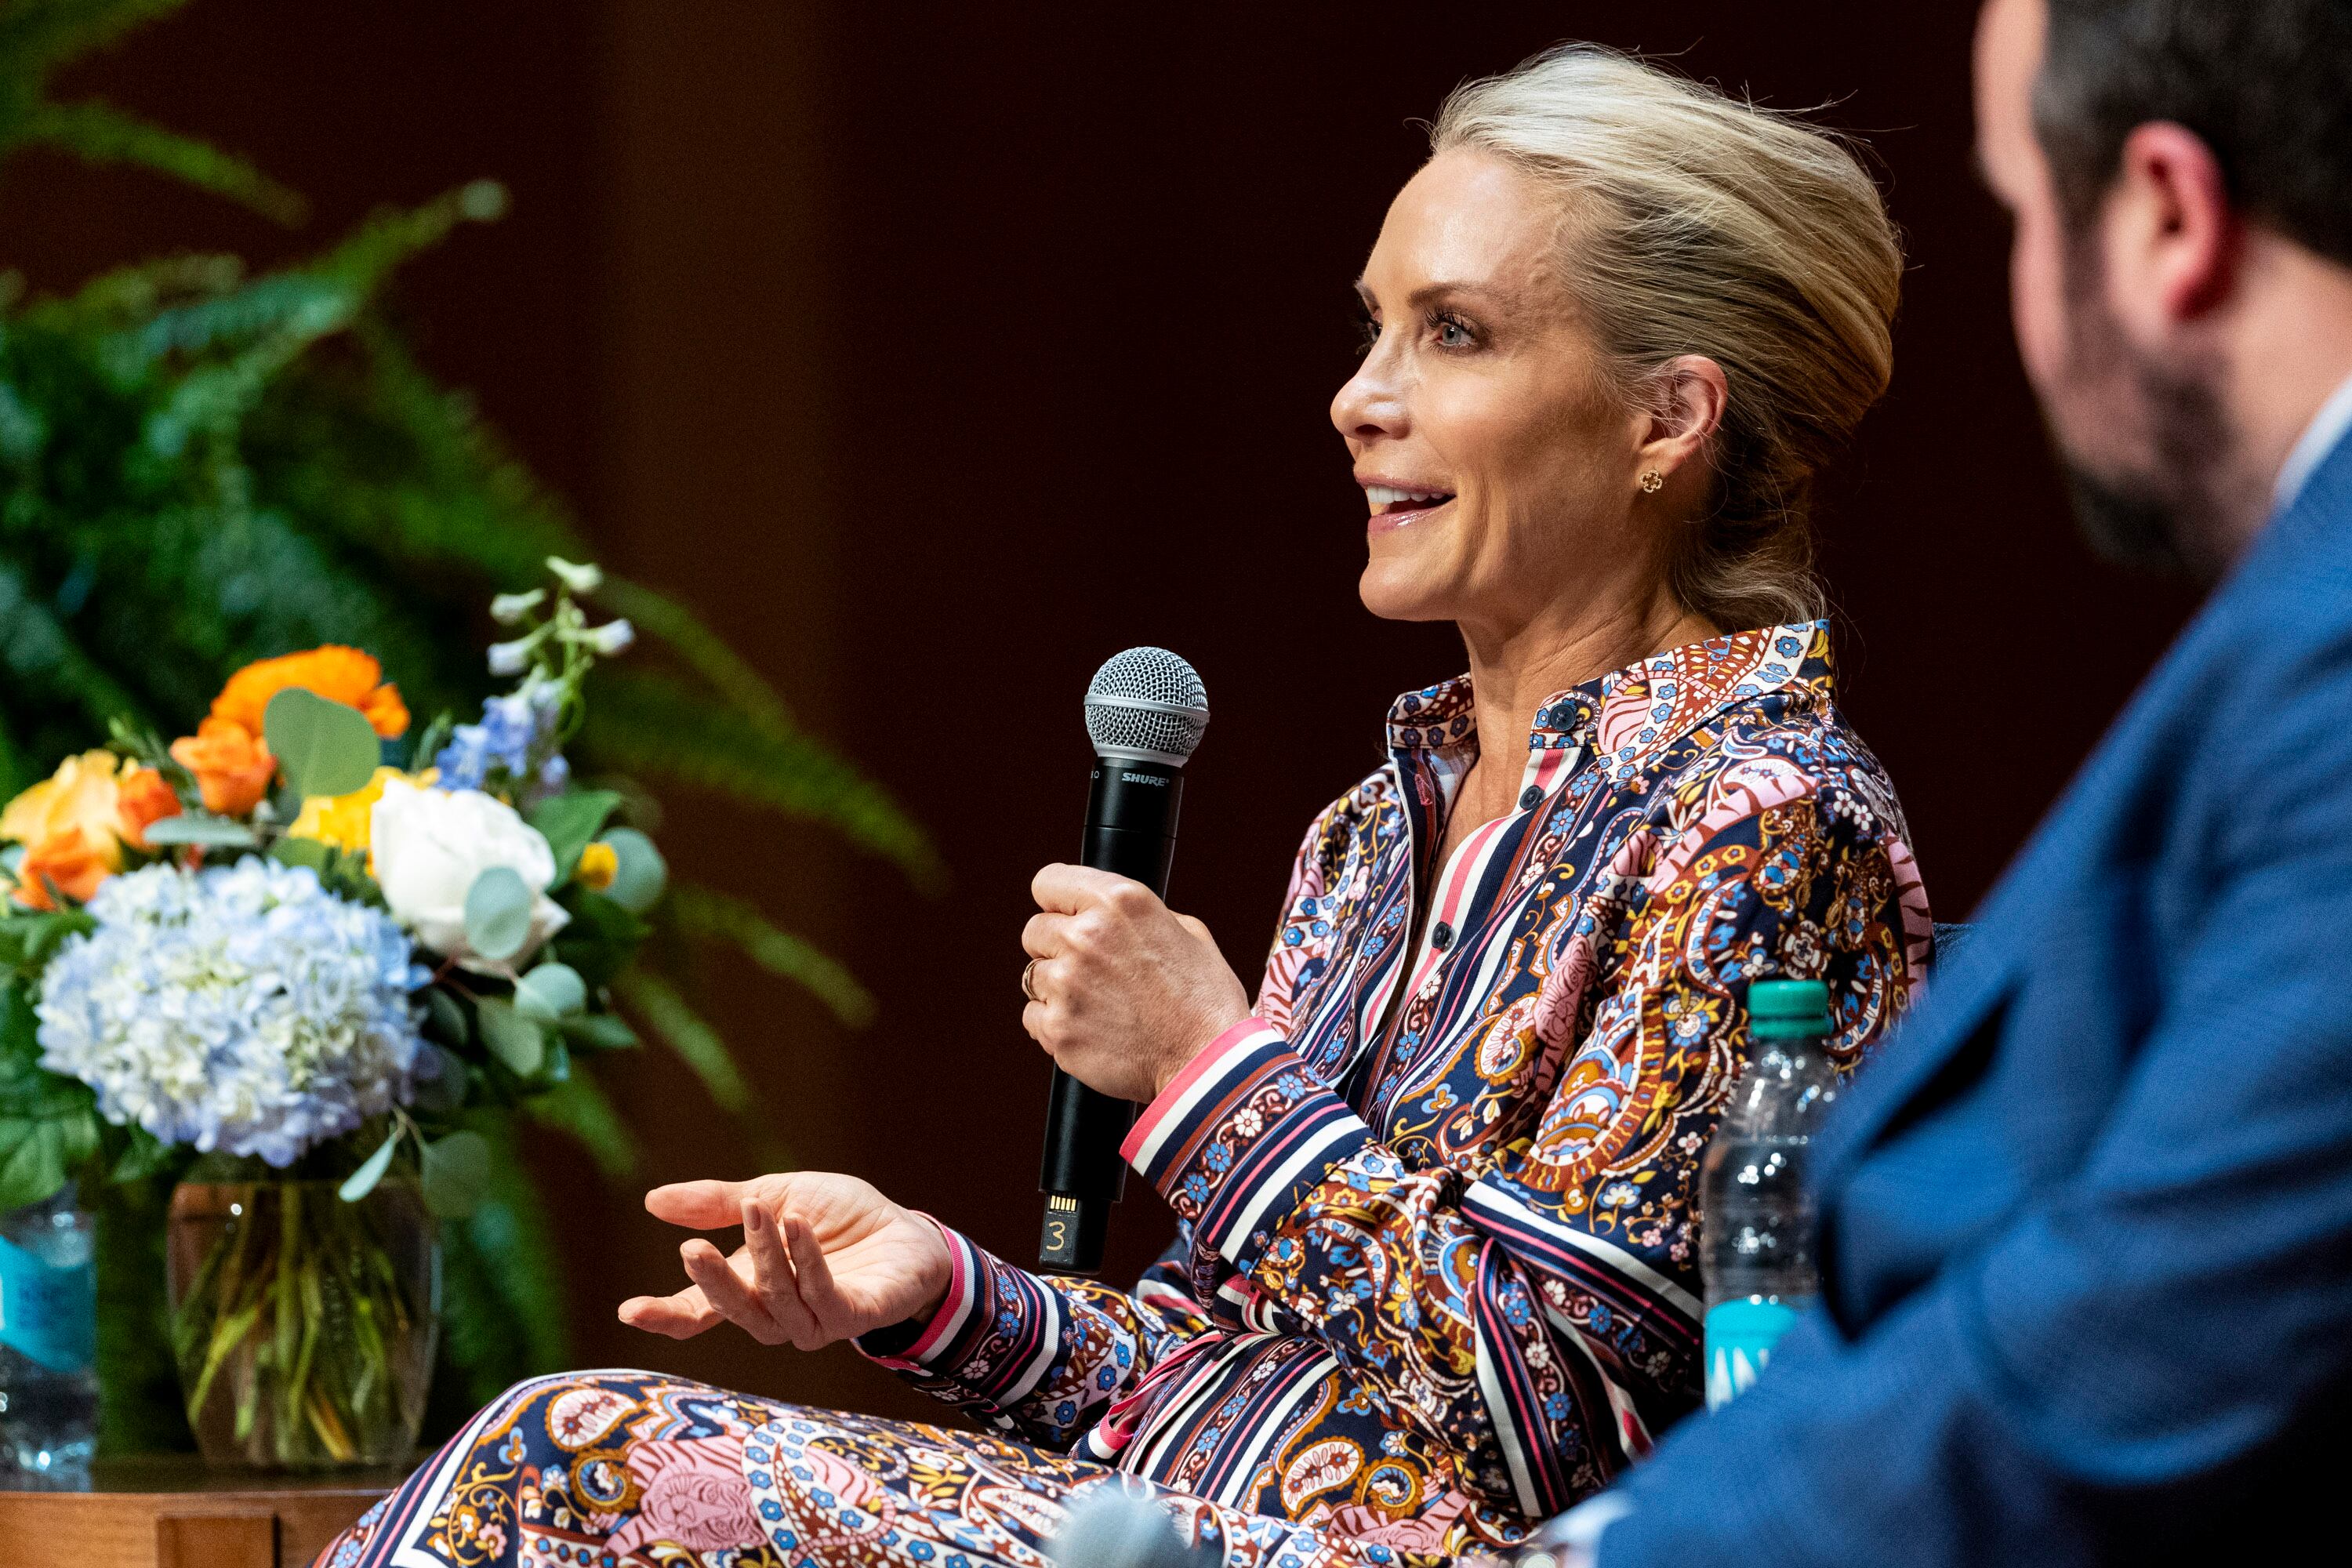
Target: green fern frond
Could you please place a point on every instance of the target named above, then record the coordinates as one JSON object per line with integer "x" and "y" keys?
{"x": 579, "y": 1109}
{"x": 705, "y": 652}
{"x": 268, "y": 322}
{"x": 38, "y": 36}
{"x": 705, "y": 912}
{"x": 16, "y": 771}
{"x": 39, "y": 651}
{"x": 199, "y": 467}
{"x": 300, "y": 306}
{"x": 656, "y": 1002}
{"x": 503, "y": 1315}
{"x": 98, "y": 132}
{"x": 395, "y": 234}
{"x": 129, "y": 296}
{"x": 387, "y": 459}
{"x": 644, "y": 723}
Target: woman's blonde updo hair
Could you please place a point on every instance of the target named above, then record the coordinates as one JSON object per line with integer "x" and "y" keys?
{"x": 1696, "y": 225}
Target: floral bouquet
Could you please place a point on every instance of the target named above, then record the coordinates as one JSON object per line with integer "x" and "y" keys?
{"x": 311, "y": 953}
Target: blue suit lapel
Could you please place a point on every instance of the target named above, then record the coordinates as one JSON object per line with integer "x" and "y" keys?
{"x": 1999, "y": 955}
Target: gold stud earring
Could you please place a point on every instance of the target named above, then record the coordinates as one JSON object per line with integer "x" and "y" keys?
{"x": 1652, "y": 482}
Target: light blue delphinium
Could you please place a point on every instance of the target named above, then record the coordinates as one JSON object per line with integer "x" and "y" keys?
{"x": 514, "y": 730}
{"x": 241, "y": 1008}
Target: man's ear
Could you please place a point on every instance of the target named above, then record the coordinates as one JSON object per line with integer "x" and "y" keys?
{"x": 1688, "y": 400}
{"x": 2170, "y": 236}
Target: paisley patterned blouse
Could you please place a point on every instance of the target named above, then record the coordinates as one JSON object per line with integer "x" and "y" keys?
{"x": 1436, "y": 1280}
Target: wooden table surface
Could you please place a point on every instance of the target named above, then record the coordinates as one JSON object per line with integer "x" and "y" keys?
{"x": 173, "y": 1512}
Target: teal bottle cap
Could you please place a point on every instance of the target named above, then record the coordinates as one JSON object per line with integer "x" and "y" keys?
{"x": 1784, "y": 1009}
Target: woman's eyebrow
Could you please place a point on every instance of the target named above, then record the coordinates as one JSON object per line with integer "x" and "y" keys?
{"x": 1431, "y": 293}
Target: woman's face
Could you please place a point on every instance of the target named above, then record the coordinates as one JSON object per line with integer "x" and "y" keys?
{"x": 1499, "y": 473}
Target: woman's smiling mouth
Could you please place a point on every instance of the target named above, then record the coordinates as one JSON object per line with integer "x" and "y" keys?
{"x": 1400, "y": 506}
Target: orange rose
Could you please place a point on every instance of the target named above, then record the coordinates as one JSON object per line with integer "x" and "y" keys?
{"x": 144, "y": 798}
{"x": 68, "y": 861}
{"x": 338, "y": 674}
{"x": 232, "y": 764}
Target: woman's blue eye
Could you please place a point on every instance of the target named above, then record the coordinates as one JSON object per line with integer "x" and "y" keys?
{"x": 1452, "y": 333}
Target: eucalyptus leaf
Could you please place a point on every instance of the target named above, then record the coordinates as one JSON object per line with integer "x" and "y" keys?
{"x": 569, "y": 821}
{"x": 311, "y": 852}
{"x": 600, "y": 1032}
{"x": 550, "y": 992}
{"x": 448, "y": 1018}
{"x": 199, "y": 827}
{"x": 363, "y": 1180}
{"x": 641, "y": 873}
{"x": 498, "y": 913}
{"x": 440, "y": 1078}
{"x": 601, "y": 939}
{"x": 457, "y": 1170}
{"x": 326, "y": 748}
{"x": 511, "y": 1037}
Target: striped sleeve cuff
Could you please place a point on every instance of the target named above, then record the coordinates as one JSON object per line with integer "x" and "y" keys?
{"x": 891, "y": 1348}
{"x": 993, "y": 1337}
{"x": 1240, "y": 1137}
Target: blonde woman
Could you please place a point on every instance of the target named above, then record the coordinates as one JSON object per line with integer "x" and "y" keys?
{"x": 1436, "y": 1276}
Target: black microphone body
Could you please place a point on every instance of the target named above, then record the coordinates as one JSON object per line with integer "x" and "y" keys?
{"x": 1131, "y": 810}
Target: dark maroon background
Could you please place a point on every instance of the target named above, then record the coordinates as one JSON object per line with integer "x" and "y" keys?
{"x": 936, "y": 351}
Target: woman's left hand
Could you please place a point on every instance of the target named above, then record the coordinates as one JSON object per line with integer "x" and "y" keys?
{"x": 1128, "y": 990}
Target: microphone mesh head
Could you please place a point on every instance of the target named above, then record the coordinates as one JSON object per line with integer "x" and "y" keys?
{"x": 1147, "y": 703}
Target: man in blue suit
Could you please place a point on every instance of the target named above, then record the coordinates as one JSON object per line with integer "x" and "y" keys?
{"x": 2087, "y": 1228}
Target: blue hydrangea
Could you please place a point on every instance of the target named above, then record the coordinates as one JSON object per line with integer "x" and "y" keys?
{"x": 241, "y": 1008}
{"x": 513, "y": 729}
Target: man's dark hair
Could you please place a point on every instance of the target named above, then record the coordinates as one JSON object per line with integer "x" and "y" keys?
{"x": 2266, "y": 83}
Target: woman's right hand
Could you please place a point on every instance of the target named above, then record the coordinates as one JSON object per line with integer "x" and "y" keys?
{"x": 824, "y": 1258}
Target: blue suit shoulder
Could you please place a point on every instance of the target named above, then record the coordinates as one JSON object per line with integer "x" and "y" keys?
{"x": 2088, "y": 1227}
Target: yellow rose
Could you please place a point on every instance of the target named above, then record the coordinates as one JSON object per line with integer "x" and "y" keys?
{"x": 599, "y": 864}
{"x": 343, "y": 820}
{"x": 70, "y": 826}
{"x": 84, "y": 793}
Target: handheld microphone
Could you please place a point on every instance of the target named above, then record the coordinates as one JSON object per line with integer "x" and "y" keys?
{"x": 1145, "y": 711}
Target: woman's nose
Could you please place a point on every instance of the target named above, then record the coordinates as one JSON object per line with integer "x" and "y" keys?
{"x": 1371, "y": 404}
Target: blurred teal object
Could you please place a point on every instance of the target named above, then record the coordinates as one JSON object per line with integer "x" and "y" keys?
{"x": 48, "y": 1317}
{"x": 200, "y": 467}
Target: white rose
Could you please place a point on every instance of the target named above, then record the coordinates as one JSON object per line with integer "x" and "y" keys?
{"x": 430, "y": 844}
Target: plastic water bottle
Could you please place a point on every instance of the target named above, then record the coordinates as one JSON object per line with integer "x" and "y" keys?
{"x": 49, "y": 1342}
{"x": 1755, "y": 1216}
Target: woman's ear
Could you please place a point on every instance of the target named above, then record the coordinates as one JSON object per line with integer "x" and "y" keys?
{"x": 1688, "y": 397}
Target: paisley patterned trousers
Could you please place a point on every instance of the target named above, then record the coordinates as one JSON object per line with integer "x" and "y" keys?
{"x": 631, "y": 1470}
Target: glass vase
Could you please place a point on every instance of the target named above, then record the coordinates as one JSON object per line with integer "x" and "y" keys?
{"x": 303, "y": 1325}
